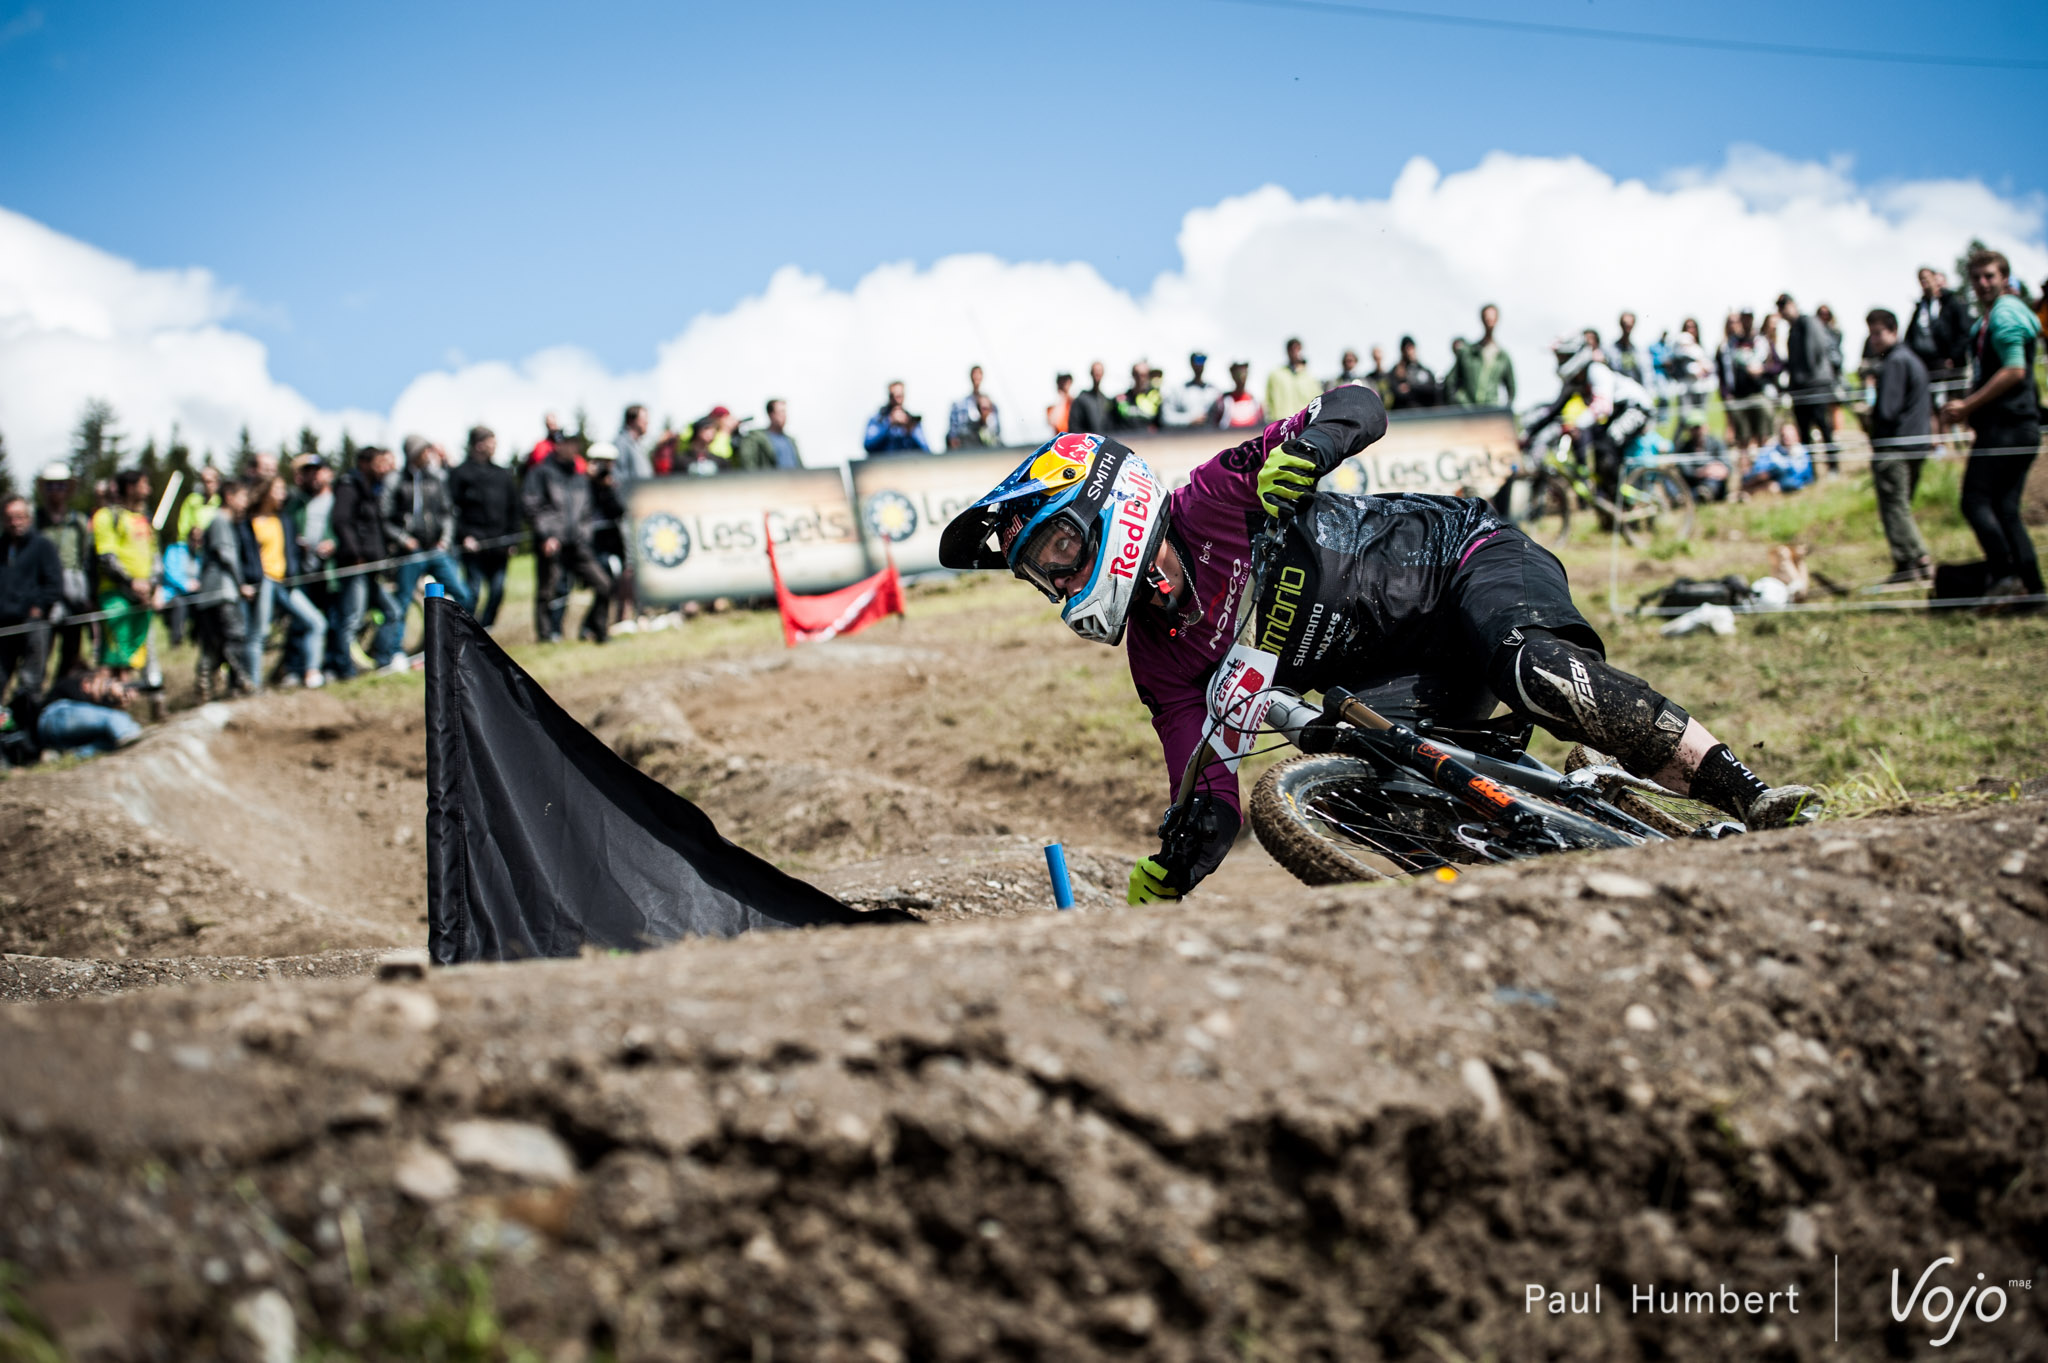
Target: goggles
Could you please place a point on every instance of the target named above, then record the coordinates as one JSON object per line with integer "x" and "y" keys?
{"x": 1056, "y": 549}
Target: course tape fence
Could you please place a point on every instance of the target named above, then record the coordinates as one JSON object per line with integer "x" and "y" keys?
{"x": 326, "y": 574}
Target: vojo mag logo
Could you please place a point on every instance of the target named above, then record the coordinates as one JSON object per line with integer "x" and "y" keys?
{"x": 891, "y": 516}
{"x": 664, "y": 540}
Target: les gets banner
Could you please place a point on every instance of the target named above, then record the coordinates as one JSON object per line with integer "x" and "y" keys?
{"x": 698, "y": 538}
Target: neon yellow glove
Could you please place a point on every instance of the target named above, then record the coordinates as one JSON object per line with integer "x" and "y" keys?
{"x": 1284, "y": 477}
{"x": 1148, "y": 884}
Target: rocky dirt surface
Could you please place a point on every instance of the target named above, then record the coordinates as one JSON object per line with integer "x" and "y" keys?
{"x": 1334, "y": 1124}
{"x": 1273, "y": 1124}
{"x": 38, "y": 979}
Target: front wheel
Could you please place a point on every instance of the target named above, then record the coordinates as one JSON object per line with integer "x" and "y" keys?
{"x": 1546, "y": 514}
{"x": 1331, "y": 819}
{"x": 1652, "y": 496}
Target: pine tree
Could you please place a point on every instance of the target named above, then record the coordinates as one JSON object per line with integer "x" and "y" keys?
{"x": 348, "y": 450}
{"x": 309, "y": 443}
{"x": 95, "y": 452}
{"x": 6, "y": 474}
{"x": 245, "y": 453}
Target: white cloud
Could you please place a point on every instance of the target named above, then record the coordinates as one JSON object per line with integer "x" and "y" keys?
{"x": 1556, "y": 241}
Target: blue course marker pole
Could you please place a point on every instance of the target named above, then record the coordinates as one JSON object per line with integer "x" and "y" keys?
{"x": 436, "y": 589}
{"x": 1056, "y": 866}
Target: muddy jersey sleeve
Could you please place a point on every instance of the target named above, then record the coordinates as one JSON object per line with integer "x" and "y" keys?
{"x": 1336, "y": 426}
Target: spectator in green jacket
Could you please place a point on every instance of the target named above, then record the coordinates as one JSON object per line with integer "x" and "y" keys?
{"x": 201, "y": 504}
{"x": 1292, "y": 387}
{"x": 1482, "y": 371}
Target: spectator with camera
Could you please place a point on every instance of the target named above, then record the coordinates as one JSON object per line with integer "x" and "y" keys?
{"x": 973, "y": 419}
{"x": 895, "y": 429}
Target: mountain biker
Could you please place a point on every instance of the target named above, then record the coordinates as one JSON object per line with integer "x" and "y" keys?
{"x": 1617, "y": 409}
{"x": 1435, "y": 599}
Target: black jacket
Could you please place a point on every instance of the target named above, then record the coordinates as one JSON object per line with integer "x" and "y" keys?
{"x": 416, "y": 506}
{"x": 1807, "y": 366}
{"x": 251, "y": 552}
{"x": 1945, "y": 344}
{"x": 31, "y": 577}
{"x": 558, "y": 501}
{"x": 358, "y": 522}
{"x": 485, "y": 500}
{"x": 1903, "y": 406}
{"x": 1411, "y": 385}
{"x": 1092, "y": 412}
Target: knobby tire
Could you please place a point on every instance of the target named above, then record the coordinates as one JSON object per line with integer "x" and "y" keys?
{"x": 1412, "y": 826}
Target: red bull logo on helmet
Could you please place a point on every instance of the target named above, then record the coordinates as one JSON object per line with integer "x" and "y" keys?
{"x": 1064, "y": 462}
{"x": 1133, "y": 519}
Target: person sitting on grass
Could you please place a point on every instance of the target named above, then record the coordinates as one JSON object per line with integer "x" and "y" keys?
{"x": 85, "y": 711}
{"x": 1785, "y": 466}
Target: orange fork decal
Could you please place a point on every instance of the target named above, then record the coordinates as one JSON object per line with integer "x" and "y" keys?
{"x": 1490, "y": 792}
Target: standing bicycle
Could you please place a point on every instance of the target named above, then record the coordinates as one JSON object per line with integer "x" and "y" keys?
{"x": 1436, "y": 593}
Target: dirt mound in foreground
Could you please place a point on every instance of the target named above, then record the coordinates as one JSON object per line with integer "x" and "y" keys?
{"x": 1347, "y": 1124}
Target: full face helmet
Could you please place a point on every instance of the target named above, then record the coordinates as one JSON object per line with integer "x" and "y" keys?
{"x": 1573, "y": 356}
{"x": 1080, "y": 520}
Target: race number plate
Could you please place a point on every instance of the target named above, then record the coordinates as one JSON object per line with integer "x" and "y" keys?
{"x": 1239, "y": 697}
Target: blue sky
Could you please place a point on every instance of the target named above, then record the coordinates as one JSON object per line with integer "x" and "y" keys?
{"x": 394, "y": 186}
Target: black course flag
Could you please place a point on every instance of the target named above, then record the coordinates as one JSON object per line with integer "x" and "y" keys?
{"x": 541, "y": 840}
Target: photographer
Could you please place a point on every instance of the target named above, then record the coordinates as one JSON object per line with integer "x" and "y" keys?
{"x": 895, "y": 429}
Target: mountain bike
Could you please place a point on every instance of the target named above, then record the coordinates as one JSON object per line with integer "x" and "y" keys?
{"x": 1651, "y": 492}
{"x": 1380, "y": 791}
{"x": 1373, "y": 797}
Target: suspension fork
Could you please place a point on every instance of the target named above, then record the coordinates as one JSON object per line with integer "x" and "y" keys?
{"x": 1478, "y": 792}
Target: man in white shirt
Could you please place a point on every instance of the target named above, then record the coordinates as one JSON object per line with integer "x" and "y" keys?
{"x": 1188, "y": 404}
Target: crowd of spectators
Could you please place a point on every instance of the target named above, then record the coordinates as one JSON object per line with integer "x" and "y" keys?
{"x": 289, "y": 578}
{"x": 328, "y": 555}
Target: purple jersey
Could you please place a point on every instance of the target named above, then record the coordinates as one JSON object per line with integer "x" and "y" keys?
{"x": 1369, "y": 580}
{"x": 1212, "y": 521}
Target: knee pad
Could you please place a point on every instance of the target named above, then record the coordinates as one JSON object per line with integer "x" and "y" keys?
{"x": 1576, "y": 694}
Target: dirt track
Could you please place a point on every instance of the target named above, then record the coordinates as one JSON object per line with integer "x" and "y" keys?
{"x": 1336, "y": 1126}
{"x": 1274, "y": 1124}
